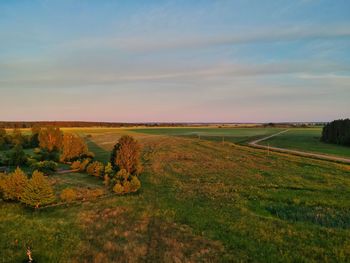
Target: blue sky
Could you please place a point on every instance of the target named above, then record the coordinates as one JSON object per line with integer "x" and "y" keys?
{"x": 230, "y": 61}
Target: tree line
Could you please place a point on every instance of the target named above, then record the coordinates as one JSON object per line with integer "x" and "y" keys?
{"x": 80, "y": 124}
{"x": 337, "y": 132}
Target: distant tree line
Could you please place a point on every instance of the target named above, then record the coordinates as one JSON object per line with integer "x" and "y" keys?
{"x": 30, "y": 124}
{"x": 337, "y": 132}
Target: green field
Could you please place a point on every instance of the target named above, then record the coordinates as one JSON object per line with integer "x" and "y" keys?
{"x": 235, "y": 135}
{"x": 201, "y": 201}
{"x": 307, "y": 140}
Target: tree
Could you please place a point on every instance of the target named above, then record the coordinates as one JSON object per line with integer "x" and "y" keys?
{"x": 38, "y": 191}
{"x": 34, "y": 139}
{"x": 13, "y": 185}
{"x": 337, "y": 132}
{"x": 126, "y": 155}
{"x": 73, "y": 147}
{"x": 17, "y": 156}
{"x": 50, "y": 139}
{"x": 17, "y": 137}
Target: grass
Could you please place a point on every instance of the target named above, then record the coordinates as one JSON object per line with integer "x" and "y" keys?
{"x": 307, "y": 140}
{"x": 201, "y": 201}
{"x": 235, "y": 135}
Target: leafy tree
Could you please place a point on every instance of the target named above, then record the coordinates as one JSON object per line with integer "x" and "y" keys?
{"x": 17, "y": 156}
{"x": 73, "y": 147}
{"x": 337, "y": 132}
{"x": 13, "y": 186}
{"x": 50, "y": 139}
{"x": 38, "y": 191}
{"x": 34, "y": 139}
{"x": 17, "y": 137}
{"x": 126, "y": 155}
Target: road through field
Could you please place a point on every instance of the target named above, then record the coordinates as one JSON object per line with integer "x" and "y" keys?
{"x": 256, "y": 144}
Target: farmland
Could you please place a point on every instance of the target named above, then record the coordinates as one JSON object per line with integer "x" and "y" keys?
{"x": 307, "y": 139}
{"x": 201, "y": 200}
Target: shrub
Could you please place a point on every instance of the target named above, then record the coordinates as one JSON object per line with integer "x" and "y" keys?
{"x": 76, "y": 165}
{"x": 118, "y": 188}
{"x": 68, "y": 195}
{"x": 38, "y": 191}
{"x": 126, "y": 155}
{"x": 109, "y": 170}
{"x": 84, "y": 164}
{"x": 126, "y": 186}
{"x": 96, "y": 169}
{"x": 135, "y": 184}
{"x": 37, "y": 151}
{"x": 46, "y": 167}
{"x": 123, "y": 175}
{"x": 13, "y": 185}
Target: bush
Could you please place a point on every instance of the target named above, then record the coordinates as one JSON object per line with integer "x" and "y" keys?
{"x": 13, "y": 186}
{"x": 38, "y": 191}
{"x": 84, "y": 164}
{"x": 96, "y": 169}
{"x": 118, "y": 188}
{"x": 46, "y": 167}
{"x": 135, "y": 184}
{"x": 68, "y": 195}
{"x": 76, "y": 165}
{"x": 123, "y": 175}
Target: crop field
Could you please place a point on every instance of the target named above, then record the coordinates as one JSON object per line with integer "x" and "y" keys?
{"x": 200, "y": 201}
{"x": 307, "y": 139}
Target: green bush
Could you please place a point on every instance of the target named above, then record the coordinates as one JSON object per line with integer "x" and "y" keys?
{"x": 46, "y": 167}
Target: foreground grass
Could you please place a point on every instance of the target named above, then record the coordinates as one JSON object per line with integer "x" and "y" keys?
{"x": 200, "y": 201}
{"x": 307, "y": 140}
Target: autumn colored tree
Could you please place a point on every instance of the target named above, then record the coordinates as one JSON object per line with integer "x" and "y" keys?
{"x": 50, "y": 139}
{"x": 126, "y": 155}
{"x": 38, "y": 191}
{"x": 13, "y": 185}
{"x": 73, "y": 147}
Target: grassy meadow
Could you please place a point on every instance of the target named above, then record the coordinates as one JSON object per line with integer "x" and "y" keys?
{"x": 307, "y": 139}
{"x": 200, "y": 201}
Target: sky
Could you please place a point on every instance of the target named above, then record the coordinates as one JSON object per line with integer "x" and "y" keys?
{"x": 175, "y": 61}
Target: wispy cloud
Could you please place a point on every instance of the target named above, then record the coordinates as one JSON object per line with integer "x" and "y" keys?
{"x": 251, "y": 35}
